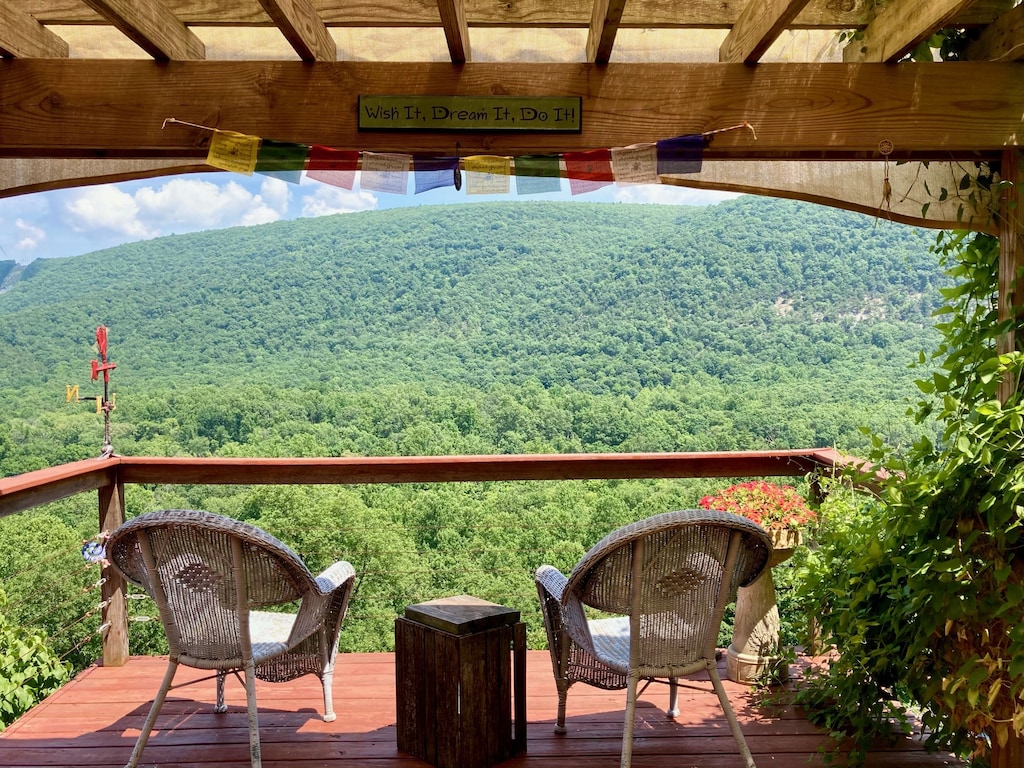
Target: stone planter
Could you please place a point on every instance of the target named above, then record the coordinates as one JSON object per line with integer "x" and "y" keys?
{"x": 755, "y": 639}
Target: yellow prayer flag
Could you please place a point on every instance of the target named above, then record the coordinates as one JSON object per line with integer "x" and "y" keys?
{"x": 234, "y": 152}
{"x": 488, "y": 174}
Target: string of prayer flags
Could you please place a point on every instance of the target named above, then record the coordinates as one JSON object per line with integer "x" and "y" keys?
{"x": 536, "y": 174}
{"x": 433, "y": 172}
{"x": 636, "y": 164}
{"x": 683, "y": 154}
{"x": 281, "y": 159}
{"x": 386, "y": 172}
{"x": 336, "y": 167}
{"x": 488, "y": 174}
{"x": 589, "y": 170}
{"x": 235, "y": 152}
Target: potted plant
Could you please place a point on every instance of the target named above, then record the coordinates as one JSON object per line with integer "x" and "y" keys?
{"x": 782, "y": 511}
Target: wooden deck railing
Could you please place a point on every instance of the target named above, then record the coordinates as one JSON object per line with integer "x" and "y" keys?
{"x": 109, "y": 475}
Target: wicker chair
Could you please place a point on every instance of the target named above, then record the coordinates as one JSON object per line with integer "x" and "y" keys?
{"x": 206, "y": 573}
{"x": 670, "y": 578}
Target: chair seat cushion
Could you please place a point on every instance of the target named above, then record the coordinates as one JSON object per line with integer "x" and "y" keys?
{"x": 611, "y": 642}
{"x": 269, "y": 633}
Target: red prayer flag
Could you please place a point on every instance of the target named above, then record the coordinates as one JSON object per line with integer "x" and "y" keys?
{"x": 333, "y": 166}
{"x": 588, "y": 171}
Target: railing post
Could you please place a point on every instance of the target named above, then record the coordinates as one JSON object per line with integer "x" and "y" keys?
{"x": 115, "y": 610}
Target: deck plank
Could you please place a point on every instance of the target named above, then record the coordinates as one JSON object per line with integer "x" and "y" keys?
{"x": 94, "y": 720}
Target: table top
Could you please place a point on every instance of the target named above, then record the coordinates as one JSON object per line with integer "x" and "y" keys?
{"x": 461, "y": 614}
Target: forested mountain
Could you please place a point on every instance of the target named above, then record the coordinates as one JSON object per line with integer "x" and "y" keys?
{"x": 603, "y": 298}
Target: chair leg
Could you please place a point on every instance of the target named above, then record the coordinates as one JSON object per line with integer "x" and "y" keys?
{"x": 254, "y": 725}
{"x": 563, "y": 694}
{"x": 627, "y": 728}
{"x": 154, "y": 710}
{"x": 327, "y": 680}
{"x": 561, "y": 663}
{"x": 221, "y": 707}
{"x": 734, "y": 725}
{"x": 673, "y": 698}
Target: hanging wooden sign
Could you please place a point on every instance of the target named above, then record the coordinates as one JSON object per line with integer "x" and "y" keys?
{"x": 559, "y": 114}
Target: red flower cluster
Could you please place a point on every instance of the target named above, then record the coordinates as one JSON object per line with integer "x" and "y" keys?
{"x": 772, "y": 506}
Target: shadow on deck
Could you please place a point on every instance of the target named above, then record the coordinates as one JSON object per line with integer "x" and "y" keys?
{"x": 95, "y": 719}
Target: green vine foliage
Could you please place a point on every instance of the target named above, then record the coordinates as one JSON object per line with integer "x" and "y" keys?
{"x": 921, "y": 587}
{"x": 29, "y": 671}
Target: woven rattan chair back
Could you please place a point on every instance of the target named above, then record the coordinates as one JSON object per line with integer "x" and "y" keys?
{"x": 668, "y": 574}
{"x": 205, "y": 572}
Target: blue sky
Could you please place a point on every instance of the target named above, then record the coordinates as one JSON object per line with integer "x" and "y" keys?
{"x": 75, "y": 221}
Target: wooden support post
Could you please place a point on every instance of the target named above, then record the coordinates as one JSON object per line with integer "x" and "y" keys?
{"x": 115, "y": 610}
{"x": 1011, "y": 255}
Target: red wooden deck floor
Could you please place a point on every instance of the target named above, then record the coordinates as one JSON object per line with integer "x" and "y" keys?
{"x": 94, "y": 721}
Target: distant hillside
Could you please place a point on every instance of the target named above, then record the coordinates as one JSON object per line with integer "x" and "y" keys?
{"x": 603, "y": 298}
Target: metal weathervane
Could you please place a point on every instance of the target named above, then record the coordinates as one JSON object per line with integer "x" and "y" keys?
{"x": 106, "y": 402}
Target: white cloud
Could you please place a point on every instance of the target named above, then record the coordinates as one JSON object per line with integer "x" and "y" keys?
{"x": 326, "y": 200}
{"x": 276, "y": 193}
{"x": 107, "y": 207}
{"x": 32, "y": 235}
{"x": 179, "y": 205}
{"x": 187, "y": 205}
{"x": 668, "y": 194}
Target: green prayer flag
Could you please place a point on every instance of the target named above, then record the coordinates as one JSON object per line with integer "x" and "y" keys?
{"x": 537, "y": 173}
{"x": 282, "y": 160}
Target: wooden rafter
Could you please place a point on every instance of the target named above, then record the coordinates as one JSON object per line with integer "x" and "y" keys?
{"x": 827, "y": 111}
{"x": 639, "y": 14}
{"x": 604, "y": 25}
{"x": 899, "y": 27}
{"x": 1002, "y": 40}
{"x": 456, "y": 30}
{"x": 22, "y": 36}
{"x": 303, "y": 28}
{"x": 153, "y": 27}
{"x": 757, "y": 28}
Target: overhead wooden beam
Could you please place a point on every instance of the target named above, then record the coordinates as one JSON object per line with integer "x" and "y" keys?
{"x": 1002, "y": 40}
{"x": 303, "y": 28}
{"x": 152, "y": 27}
{"x": 88, "y": 108}
{"x": 653, "y": 14}
{"x": 757, "y": 28}
{"x": 604, "y": 25}
{"x": 22, "y": 35}
{"x": 456, "y": 31}
{"x": 899, "y": 27}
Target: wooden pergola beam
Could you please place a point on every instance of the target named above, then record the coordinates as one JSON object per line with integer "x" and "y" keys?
{"x": 899, "y": 27}
{"x": 22, "y": 36}
{"x": 88, "y": 108}
{"x": 456, "y": 30}
{"x": 303, "y": 28}
{"x": 1002, "y": 40}
{"x": 757, "y": 28}
{"x": 153, "y": 27}
{"x": 604, "y": 26}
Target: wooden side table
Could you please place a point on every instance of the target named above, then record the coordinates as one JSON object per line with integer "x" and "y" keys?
{"x": 455, "y": 682}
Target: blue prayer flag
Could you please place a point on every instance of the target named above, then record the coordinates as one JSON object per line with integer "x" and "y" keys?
{"x": 682, "y": 154}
